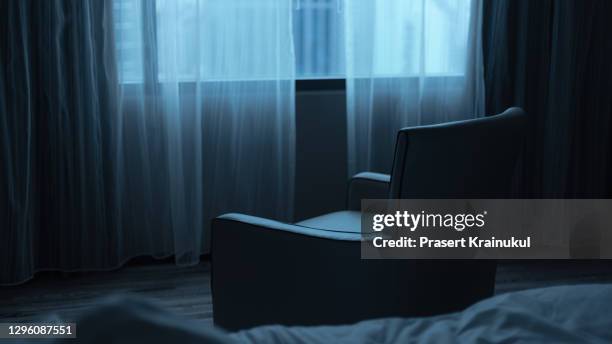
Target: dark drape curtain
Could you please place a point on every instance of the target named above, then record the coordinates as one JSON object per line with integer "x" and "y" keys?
{"x": 56, "y": 80}
{"x": 553, "y": 58}
{"x": 72, "y": 193}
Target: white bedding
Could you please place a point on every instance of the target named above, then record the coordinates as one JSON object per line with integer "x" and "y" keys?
{"x": 567, "y": 314}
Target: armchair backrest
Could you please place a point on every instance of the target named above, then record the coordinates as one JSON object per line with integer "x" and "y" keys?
{"x": 466, "y": 159}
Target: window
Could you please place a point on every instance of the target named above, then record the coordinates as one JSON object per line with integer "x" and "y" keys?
{"x": 419, "y": 37}
{"x": 127, "y": 18}
{"x": 318, "y": 37}
{"x": 391, "y": 38}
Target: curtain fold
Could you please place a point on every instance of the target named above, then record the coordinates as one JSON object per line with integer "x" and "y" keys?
{"x": 55, "y": 125}
{"x": 124, "y": 138}
{"x": 408, "y": 63}
{"x": 226, "y": 88}
{"x": 551, "y": 57}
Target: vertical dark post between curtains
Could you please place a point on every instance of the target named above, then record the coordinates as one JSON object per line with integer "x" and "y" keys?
{"x": 552, "y": 57}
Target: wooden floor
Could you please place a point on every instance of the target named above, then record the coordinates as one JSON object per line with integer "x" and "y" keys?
{"x": 182, "y": 290}
{"x": 186, "y": 290}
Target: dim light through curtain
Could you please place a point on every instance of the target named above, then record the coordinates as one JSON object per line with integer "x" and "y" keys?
{"x": 215, "y": 80}
{"x": 127, "y": 125}
{"x": 408, "y": 63}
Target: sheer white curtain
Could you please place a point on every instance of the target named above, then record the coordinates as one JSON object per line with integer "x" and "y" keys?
{"x": 126, "y": 125}
{"x": 408, "y": 62}
{"x": 207, "y": 93}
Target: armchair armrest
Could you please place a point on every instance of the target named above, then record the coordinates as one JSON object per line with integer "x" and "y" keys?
{"x": 367, "y": 185}
{"x": 265, "y": 271}
{"x": 236, "y": 223}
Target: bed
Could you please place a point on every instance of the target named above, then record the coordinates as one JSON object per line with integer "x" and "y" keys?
{"x": 563, "y": 314}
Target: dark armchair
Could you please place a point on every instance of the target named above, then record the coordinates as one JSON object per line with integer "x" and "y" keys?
{"x": 310, "y": 272}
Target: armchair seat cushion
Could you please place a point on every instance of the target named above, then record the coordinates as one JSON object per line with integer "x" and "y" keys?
{"x": 340, "y": 221}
